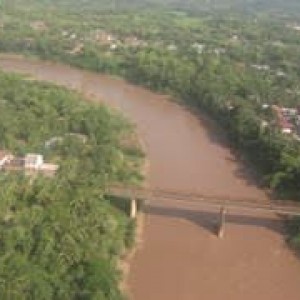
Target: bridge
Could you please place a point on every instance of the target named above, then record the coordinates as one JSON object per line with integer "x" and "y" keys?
{"x": 223, "y": 203}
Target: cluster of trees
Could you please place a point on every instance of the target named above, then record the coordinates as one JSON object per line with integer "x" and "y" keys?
{"x": 60, "y": 237}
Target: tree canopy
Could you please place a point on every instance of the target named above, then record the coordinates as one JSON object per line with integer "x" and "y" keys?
{"x": 60, "y": 237}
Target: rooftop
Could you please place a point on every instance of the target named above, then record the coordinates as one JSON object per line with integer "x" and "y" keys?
{"x": 3, "y": 154}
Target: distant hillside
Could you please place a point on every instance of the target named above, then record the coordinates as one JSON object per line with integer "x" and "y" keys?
{"x": 279, "y": 6}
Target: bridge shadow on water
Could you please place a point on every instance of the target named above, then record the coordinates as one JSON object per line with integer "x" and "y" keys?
{"x": 209, "y": 219}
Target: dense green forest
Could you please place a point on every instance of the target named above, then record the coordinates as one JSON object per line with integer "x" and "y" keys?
{"x": 229, "y": 58}
{"x": 60, "y": 237}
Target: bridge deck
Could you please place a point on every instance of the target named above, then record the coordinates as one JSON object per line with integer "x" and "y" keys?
{"x": 283, "y": 207}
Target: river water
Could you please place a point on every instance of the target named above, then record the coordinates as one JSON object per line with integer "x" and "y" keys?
{"x": 180, "y": 258}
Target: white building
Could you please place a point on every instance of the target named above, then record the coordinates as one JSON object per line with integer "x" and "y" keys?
{"x": 198, "y": 47}
{"x": 113, "y": 46}
{"x": 286, "y": 130}
{"x": 261, "y": 67}
{"x": 33, "y": 161}
{"x": 49, "y": 168}
{"x": 5, "y": 157}
{"x": 172, "y": 47}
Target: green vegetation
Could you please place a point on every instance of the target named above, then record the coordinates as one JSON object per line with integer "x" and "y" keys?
{"x": 228, "y": 58}
{"x": 60, "y": 238}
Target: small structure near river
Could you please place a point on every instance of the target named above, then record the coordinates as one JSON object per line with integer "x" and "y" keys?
{"x": 30, "y": 163}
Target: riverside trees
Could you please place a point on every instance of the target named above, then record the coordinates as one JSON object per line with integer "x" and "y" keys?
{"x": 60, "y": 237}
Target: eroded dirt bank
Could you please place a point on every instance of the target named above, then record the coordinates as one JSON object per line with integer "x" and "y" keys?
{"x": 180, "y": 258}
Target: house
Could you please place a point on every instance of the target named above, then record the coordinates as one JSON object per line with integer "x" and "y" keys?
{"x": 294, "y": 26}
{"x": 33, "y": 161}
{"x": 198, "y": 47}
{"x": 73, "y": 36}
{"x": 286, "y": 127}
{"x": 103, "y": 37}
{"x": 38, "y": 25}
{"x": 31, "y": 164}
{"x": 234, "y": 38}
{"x": 289, "y": 112}
{"x": 172, "y": 47}
{"x": 15, "y": 164}
{"x": 283, "y": 120}
{"x": 133, "y": 41}
{"x": 5, "y": 157}
{"x": 261, "y": 67}
{"x": 49, "y": 168}
{"x": 77, "y": 49}
{"x": 265, "y": 106}
{"x": 280, "y": 74}
{"x": 113, "y": 46}
{"x": 219, "y": 51}
{"x": 264, "y": 124}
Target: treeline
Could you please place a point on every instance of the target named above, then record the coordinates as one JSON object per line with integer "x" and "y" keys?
{"x": 60, "y": 237}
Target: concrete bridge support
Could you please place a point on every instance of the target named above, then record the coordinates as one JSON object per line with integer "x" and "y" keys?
{"x": 221, "y": 229}
{"x": 133, "y": 208}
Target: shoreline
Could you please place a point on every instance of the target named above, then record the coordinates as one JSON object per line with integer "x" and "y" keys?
{"x": 125, "y": 262}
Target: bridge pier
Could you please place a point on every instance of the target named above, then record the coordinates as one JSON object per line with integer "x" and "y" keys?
{"x": 221, "y": 229}
{"x": 133, "y": 208}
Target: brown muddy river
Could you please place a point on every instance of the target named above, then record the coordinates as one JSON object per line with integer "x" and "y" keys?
{"x": 180, "y": 258}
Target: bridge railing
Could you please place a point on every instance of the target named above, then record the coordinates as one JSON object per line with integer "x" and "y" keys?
{"x": 161, "y": 195}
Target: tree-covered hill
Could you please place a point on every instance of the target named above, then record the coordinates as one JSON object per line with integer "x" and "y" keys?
{"x": 59, "y": 237}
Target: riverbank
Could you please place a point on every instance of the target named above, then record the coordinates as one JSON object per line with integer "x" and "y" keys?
{"x": 180, "y": 258}
{"x": 128, "y": 256}
{"x": 74, "y": 236}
